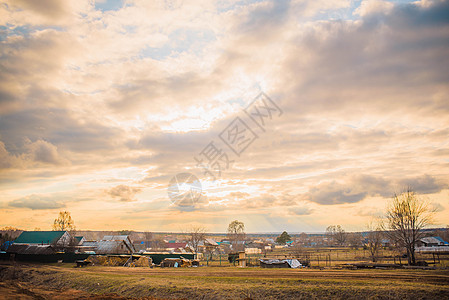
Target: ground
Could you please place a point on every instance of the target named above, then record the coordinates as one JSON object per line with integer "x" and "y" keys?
{"x": 64, "y": 281}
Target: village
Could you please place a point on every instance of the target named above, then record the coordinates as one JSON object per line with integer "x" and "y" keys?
{"x": 198, "y": 248}
{"x": 68, "y": 263}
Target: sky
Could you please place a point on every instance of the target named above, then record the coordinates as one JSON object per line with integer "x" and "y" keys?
{"x": 285, "y": 115}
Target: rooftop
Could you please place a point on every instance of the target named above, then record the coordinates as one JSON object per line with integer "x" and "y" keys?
{"x": 39, "y": 237}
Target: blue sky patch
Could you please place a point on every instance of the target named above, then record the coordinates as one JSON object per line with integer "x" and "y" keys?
{"x": 108, "y": 5}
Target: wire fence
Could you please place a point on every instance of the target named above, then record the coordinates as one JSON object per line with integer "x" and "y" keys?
{"x": 328, "y": 257}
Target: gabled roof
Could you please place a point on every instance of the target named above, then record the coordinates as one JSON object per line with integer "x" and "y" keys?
{"x": 113, "y": 247}
{"x": 211, "y": 242}
{"x": 109, "y": 246}
{"x": 39, "y": 237}
{"x": 124, "y": 238}
{"x": 442, "y": 241}
{"x": 434, "y": 240}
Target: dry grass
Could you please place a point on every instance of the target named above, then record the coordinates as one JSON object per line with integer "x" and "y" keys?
{"x": 236, "y": 283}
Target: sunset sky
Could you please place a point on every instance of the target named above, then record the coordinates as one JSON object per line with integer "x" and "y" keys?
{"x": 102, "y": 103}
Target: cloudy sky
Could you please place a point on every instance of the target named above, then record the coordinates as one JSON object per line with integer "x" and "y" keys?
{"x": 102, "y": 103}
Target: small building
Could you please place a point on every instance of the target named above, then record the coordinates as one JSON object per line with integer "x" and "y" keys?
{"x": 224, "y": 247}
{"x": 242, "y": 259}
{"x": 57, "y": 238}
{"x": 115, "y": 244}
{"x": 210, "y": 242}
{"x": 255, "y": 244}
{"x": 112, "y": 247}
{"x": 433, "y": 241}
{"x": 253, "y": 251}
{"x": 25, "y": 249}
{"x": 110, "y": 244}
{"x": 207, "y": 246}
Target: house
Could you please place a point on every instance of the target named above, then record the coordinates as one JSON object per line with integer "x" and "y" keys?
{"x": 386, "y": 243}
{"x": 112, "y": 247}
{"x": 255, "y": 244}
{"x": 175, "y": 247}
{"x": 115, "y": 244}
{"x": 79, "y": 240}
{"x": 57, "y": 238}
{"x": 208, "y": 245}
{"x": 224, "y": 247}
{"x": 433, "y": 241}
{"x": 111, "y": 244}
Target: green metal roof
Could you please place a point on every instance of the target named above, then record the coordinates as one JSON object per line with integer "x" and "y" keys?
{"x": 39, "y": 237}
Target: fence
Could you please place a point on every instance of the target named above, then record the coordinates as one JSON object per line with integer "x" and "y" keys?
{"x": 330, "y": 257}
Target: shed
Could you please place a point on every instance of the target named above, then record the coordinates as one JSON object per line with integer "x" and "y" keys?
{"x": 433, "y": 241}
{"x": 30, "y": 249}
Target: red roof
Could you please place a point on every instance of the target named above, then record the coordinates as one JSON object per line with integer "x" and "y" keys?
{"x": 175, "y": 245}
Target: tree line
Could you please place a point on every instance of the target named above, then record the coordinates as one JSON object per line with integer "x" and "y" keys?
{"x": 405, "y": 218}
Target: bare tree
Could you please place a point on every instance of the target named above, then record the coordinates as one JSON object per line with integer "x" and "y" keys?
{"x": 8, "y": 234}
{"x": 64, "y": 222}
{"x": 196, "y": 235}
{"x": 337, "y": 234}
{"x": 148, "y": 236}
{"x": 157, "y": 244}
{"x": 354, "y": 239}
{"x": 303, "y": 236}
{"x": 406, "y": 217}
{"x": 374, "y": 239}
{"x": 236, "y": 233}
{"x": 443, "y": 233}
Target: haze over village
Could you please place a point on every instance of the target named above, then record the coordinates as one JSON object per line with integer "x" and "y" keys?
{"x": 103, "y": 104}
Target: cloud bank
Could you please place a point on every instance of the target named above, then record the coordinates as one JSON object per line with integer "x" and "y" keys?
{"x": 105, "y": 101}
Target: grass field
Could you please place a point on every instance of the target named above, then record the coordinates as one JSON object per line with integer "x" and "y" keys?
{"x": 63, "y": 281}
